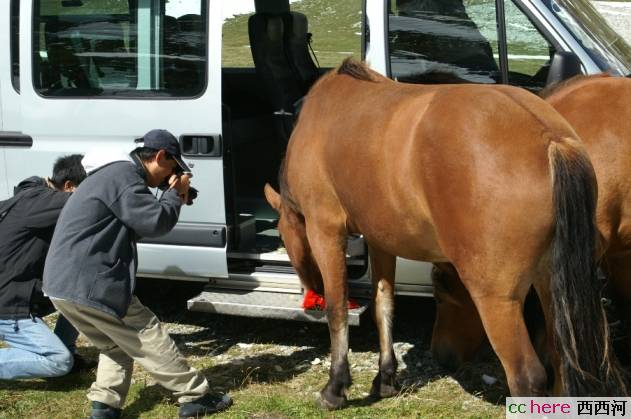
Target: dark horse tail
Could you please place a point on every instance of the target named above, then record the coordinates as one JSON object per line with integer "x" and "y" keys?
{"x": 588, "y": 367}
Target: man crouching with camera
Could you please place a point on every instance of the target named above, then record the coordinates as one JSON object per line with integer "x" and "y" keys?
{"x": 90, "y": 275}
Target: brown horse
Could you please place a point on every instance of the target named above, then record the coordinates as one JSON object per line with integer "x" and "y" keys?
{"x": 599, "y": 109}
{"x": 489, "y": 179}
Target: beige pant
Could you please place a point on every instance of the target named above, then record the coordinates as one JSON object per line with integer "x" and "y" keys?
{"x": 138, "y": 336}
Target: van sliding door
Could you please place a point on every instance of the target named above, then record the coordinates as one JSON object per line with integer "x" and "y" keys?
{"x": 96, "y": 75}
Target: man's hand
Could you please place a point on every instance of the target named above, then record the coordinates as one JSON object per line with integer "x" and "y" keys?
{"x": 181, "y": 185}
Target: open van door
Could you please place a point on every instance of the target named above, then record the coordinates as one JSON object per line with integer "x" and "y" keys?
{"x": 97, "y": 75}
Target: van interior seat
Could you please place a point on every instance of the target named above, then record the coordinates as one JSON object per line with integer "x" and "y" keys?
{"x": 190, "y": 34}
{"x": 298, "y": 41}
{"x": 279, "y": 41}
{"x": 186, "y": 45}
{"x": 280, "y": 50}
{"x": 270, "y": 55}
{"x": 111, "y": 56}
{"x": 66, "y": 69}
{"x": 171, "y": 55}
{"x": 170, "y": 29}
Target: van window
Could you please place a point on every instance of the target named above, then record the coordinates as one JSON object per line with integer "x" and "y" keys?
{"x": 15, "y": 44}
{"x": 457, "y": 37}
{"x": 608, "y": 49}
{"x": 529, "y": 53}
{"x": 119, "y": 48}
{"x": 336, "y": 30}
{"x": 235, "y": 48}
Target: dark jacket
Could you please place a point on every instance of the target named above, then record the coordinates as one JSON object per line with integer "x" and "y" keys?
{"x": 92, "y": 257}
{"x": 25, "y": 235}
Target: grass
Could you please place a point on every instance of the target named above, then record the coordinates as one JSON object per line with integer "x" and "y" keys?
{"x": 267, "y": 367}
{"x": 335, "y": 26}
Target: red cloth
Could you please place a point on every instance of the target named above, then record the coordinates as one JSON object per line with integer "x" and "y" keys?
{"x": 315, "y": 301}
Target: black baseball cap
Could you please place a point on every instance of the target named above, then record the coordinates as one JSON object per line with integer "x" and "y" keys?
{"x": 161, "y": 139}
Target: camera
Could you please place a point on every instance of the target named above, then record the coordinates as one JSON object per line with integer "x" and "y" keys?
{"x": 192, "y": 192}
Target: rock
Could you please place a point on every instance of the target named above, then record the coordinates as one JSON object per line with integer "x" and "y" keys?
{"x": 245, "y": 345}
{"x": 488, "y": 380}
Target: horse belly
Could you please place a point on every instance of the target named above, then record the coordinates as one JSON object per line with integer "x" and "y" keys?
{"x": 404, "y": 236}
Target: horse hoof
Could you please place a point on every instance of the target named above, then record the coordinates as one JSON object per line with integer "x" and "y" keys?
{"x": 330, "y": 402}
{"x": 383, "y": 391}
{"x": 388, "y": 391}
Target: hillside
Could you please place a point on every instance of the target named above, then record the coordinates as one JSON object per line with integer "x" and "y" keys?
{"x": 335, "y": 26}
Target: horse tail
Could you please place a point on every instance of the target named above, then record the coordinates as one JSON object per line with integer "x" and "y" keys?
{"x": 587, "y": 369}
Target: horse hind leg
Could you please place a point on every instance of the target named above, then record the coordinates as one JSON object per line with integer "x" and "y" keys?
{"x": 618, "y": 271}
{"x": 458, "y": 335}
{"x": 500, "y": 301}
{"x": 383, "y": 269}
{"x": 328, "y": 245}
{"x": 544, "y": 336}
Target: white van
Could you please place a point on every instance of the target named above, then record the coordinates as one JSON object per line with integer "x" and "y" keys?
{"x": 225, "y": 75}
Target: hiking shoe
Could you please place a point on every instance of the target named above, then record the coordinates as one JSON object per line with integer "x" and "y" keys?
{"x": 205, "y": 405}
{"x": 81, "y": 364}
{"x": 103, "y": 411}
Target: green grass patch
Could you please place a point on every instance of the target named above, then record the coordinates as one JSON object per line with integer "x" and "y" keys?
{"x": 287, "y": 397}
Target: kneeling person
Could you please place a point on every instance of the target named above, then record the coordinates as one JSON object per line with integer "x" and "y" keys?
{"x": 90, "y": 275}
{"x": 26, "y": 227}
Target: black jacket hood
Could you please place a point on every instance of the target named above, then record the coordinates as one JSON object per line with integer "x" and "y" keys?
{"x": 31, "y": 182}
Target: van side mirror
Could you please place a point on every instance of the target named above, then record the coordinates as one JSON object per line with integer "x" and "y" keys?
{"x": 564, "y": 65}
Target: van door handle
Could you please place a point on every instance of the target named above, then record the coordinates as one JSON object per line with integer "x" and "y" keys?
{"x": 15, "y": 139}
{"x": 201, "y": 145}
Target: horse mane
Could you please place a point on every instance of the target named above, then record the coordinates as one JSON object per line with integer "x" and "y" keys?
{"x": 357, "y": 70}
{"x": 552, "y": 89}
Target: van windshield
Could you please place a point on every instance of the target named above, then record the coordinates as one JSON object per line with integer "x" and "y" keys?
{"x": 607, "y": 48}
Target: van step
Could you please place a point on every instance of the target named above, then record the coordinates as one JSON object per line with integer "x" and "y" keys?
{"x": 271, "y": 305}
{"x": 280, "y": 256}
{"x": 275, "y": 269}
